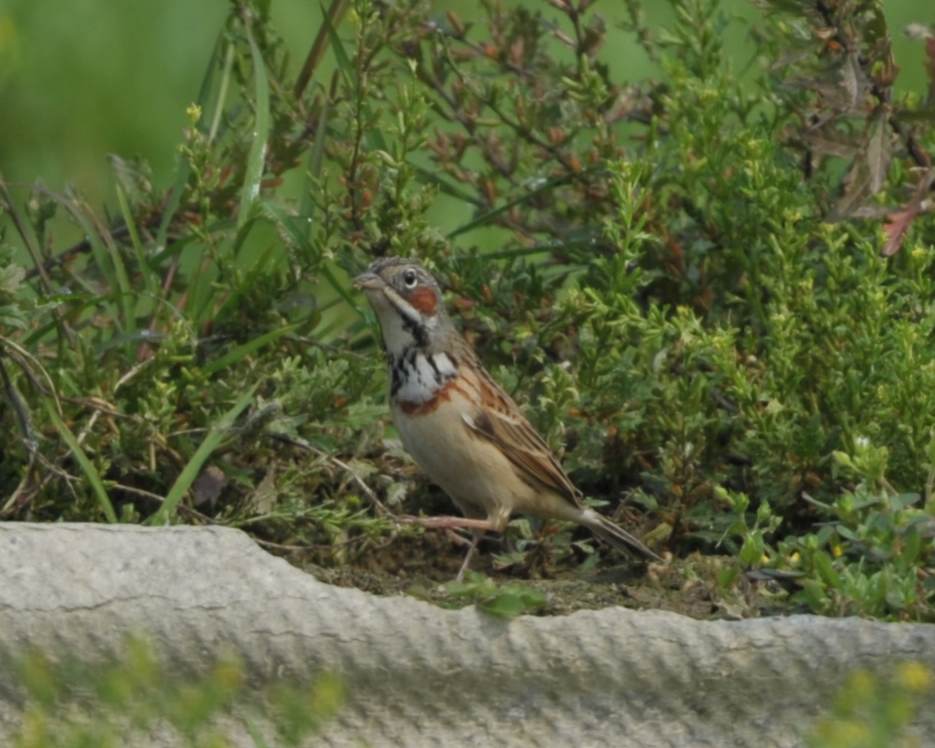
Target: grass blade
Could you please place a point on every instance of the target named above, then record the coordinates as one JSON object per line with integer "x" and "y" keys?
{"x": 183, "y": 170}
{"x": 256, "y": 159}
{"x": 87, "y": 467}
{"x": 294, "y": 232}
{"x": 340, "y": 54}
{"x": 333, "y": 15}
{"x": 313, "y": 166}
{"x": 149, "y": 279}
{"x": 240, "y": 352}
{"x": 222, "y": 92}
{"x": 316, "y": 156}
{"x": 191, "y": 470}
{"x": 98, "y": 251}
{"x": 104, "y": 249}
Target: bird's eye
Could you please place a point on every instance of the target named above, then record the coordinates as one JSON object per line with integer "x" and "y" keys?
{"x": 410, "y": 279}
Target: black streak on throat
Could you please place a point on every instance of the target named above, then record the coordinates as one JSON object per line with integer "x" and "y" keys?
{"x": 406, "y": 365}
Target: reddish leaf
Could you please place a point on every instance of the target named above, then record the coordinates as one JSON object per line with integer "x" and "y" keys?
{"x": 896, "y": 226}
{"x": 899, "y": 221}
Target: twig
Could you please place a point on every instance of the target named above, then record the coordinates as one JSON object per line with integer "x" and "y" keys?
{"x": 132, "y": 372}
{"x": 321, "y": 546}
{"x": 334, "y": 14}
{"x": 32, "y": 247}
{"x": 159, "y": 499}
{"x": 19, "y": 408}
{"x": 20, "y": 489}
{"x": 368, "y": 492}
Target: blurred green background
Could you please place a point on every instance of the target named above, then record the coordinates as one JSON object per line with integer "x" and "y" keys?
{"x": 87, "y": 78}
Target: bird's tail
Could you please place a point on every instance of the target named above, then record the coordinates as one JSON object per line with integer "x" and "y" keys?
{"x": 611, "y": 533}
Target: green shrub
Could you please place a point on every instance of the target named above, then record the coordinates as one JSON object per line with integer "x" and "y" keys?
{"x": 873, "y": 711}
{"x": 72, "y": 704}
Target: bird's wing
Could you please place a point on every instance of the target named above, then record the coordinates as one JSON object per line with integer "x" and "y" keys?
{"x": 500, "y": 421}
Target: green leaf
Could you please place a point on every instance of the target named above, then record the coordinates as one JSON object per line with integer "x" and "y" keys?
{"x": 752, "y": 551}
{"x": 512, "y": 601}
{"x": 813, "y": 590}
{"x": 825, "y": 568}
{"x": 903, "y": 501}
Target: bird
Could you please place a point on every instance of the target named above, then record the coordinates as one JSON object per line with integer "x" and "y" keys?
{"x": 462, "y": 429}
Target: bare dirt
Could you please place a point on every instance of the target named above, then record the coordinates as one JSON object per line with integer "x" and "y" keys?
{"x": 425, "y": 566}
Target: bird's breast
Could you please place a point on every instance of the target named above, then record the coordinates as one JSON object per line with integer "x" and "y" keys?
{"x": 417, "y": 377}
{"x": 469, "y": 468}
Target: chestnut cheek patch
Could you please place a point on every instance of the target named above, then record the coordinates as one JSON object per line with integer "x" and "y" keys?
{"x": 424, "y": 300}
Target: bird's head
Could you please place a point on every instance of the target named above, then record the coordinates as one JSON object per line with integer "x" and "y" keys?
{"x": 407, "y": 301}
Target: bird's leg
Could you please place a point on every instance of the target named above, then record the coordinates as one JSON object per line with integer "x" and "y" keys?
{"x": 452, "y": 523}
{"x": 468, "y": 556}
{"x": 477, "y": 526}
{"x": 497, "y": 524}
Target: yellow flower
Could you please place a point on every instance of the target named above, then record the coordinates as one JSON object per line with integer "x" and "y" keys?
{"x": 193, "y": 112}
{"x": 914, "y": 676}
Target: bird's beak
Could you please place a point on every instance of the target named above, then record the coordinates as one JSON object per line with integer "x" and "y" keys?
{"x": 368, "y": 282}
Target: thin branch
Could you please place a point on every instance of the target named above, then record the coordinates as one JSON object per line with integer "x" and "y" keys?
{"x": 313, "y": 58}
{"x": 429, "y": 523}
{"x": 160, "y": 500}
{"x": 19, "y": 408}
{"x": 368, "y": 492}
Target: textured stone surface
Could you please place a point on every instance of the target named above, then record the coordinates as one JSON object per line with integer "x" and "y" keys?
{"x": 417, "y": 675}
